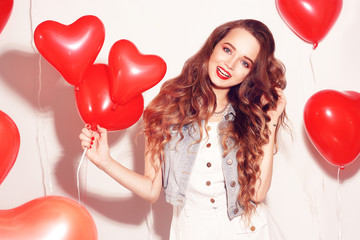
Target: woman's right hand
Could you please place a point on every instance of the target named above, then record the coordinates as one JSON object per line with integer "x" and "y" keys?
{"x": 97, "y": 146}
{"x": 147, "y": 185}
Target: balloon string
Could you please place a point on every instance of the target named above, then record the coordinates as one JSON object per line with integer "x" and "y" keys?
{"x": 35, "y": 50}
{"x": 85, "y": 187}
{"x": 40, "y": 136}
{"x": 339, "y": 202}
{"x": 150, "y": 222}
{"x": 43, "y": 130}
{"x": 77, "y": 174}
{"x": 311, "y": 65}
{"x": 32, "y": 26}
{"x": 37, "y": 124}
{"x": 47, "y": 158}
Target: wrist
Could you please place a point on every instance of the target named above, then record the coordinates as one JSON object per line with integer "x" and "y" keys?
{"x": 105, "y": 163}
{"x": 272, "y": 124}
{"x": 272, "y": 127}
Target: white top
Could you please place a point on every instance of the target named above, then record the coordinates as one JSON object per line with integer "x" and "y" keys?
{"x": 206, "y": 186}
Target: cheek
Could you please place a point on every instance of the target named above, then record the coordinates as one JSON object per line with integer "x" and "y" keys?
{"x": 216, "y": 54}
{"x": 211, "y": 65}
{"x": 211, "y": 60}
{"x": 241, "y": 75}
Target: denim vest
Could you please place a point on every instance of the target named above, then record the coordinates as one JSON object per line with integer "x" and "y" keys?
{"x": 179, "y": 158}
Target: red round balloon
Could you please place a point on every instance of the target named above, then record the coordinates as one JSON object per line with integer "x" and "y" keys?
{"x": 332, "y": 122}
{"x": 51, "y": 217}
{"x": 5, "y": 11}
{"x": 71, "y": 49}
{"x": 131, "y": 72}
{"x": 95, "y": 105}
{"x": 311, "y": 20}
{"x": 10, "y": 144}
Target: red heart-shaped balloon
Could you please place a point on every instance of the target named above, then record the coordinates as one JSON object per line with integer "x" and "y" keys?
{"x": 95, "y": 105}
{"x": 5, "y": 11}
{"x": 332, "y": 122}
{"x": 10, "y": 143}
{"x": 71, "y": 49}
{"x": 311, "y": 20}
{"x": 51, "y": 217}
{"x": 131, "y": 72}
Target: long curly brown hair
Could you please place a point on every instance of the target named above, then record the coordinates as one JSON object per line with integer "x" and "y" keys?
{"x": 177, "y": 104}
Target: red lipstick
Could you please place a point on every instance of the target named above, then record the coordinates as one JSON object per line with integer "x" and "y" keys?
{"x": 222, "y": 73}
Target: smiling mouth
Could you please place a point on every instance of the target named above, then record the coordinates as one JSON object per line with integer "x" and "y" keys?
{"x": 222, "y": 73}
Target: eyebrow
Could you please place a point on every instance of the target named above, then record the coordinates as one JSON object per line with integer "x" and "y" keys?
{"x": 232, "y": 46}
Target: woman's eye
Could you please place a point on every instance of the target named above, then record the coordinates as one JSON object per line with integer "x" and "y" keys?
{"x": 245, "y": 64}
{"x": 227, "y": 50}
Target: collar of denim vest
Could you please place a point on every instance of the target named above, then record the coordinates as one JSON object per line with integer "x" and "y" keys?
{"x": 231, "y": 111}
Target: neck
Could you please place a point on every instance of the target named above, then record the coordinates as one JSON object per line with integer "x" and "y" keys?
{"x": 221, "y": 98}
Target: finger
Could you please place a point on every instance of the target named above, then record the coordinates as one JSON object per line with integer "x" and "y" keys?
{"x": 84, "y": 137}
{"x": 102, "y": 131}
{"x": 86, "y": 144}
{"x": 101, "y": 135}
{"x": 263, "y": 100}
{"x": 282, "y": 96}
{"x": 87, "y": 132}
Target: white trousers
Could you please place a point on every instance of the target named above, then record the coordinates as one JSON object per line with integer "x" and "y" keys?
{"x": 195, "y": 224}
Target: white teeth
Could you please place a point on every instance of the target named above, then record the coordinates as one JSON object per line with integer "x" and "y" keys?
{"x": 223, "y": 73}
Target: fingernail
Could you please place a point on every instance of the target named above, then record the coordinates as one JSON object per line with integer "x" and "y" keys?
{"x": 91, "y": 143}
{"x": 92, "y": 138}
{"x": 90, "y": 146}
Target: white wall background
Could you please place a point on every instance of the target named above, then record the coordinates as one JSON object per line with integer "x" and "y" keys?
{"x": 304, "y": 193}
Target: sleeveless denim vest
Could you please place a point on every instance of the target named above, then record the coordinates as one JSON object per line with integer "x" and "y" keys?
{"x": 179, "y": 158}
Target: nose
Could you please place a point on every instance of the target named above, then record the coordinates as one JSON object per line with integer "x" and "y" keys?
{"x": 230, "y": 63}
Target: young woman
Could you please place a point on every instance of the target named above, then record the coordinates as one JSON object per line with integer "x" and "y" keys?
{"x": 210, "y": 137}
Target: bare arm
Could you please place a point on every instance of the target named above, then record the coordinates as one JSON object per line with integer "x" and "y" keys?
{"x": 147, "y": 186}
{"x": 266, "y": 166}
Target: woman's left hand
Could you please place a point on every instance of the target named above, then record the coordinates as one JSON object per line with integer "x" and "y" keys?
{"x": 274, "y": 114}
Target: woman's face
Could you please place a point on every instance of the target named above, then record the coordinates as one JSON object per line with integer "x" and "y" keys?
{"x": 232, "y": 59}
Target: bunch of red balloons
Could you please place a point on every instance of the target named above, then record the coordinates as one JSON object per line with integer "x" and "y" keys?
{"x": 108, "y": 95}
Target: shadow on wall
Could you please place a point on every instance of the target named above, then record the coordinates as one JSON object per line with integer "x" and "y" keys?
{"x": 52, "y": 95}
{"x": 330, "y": 169}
